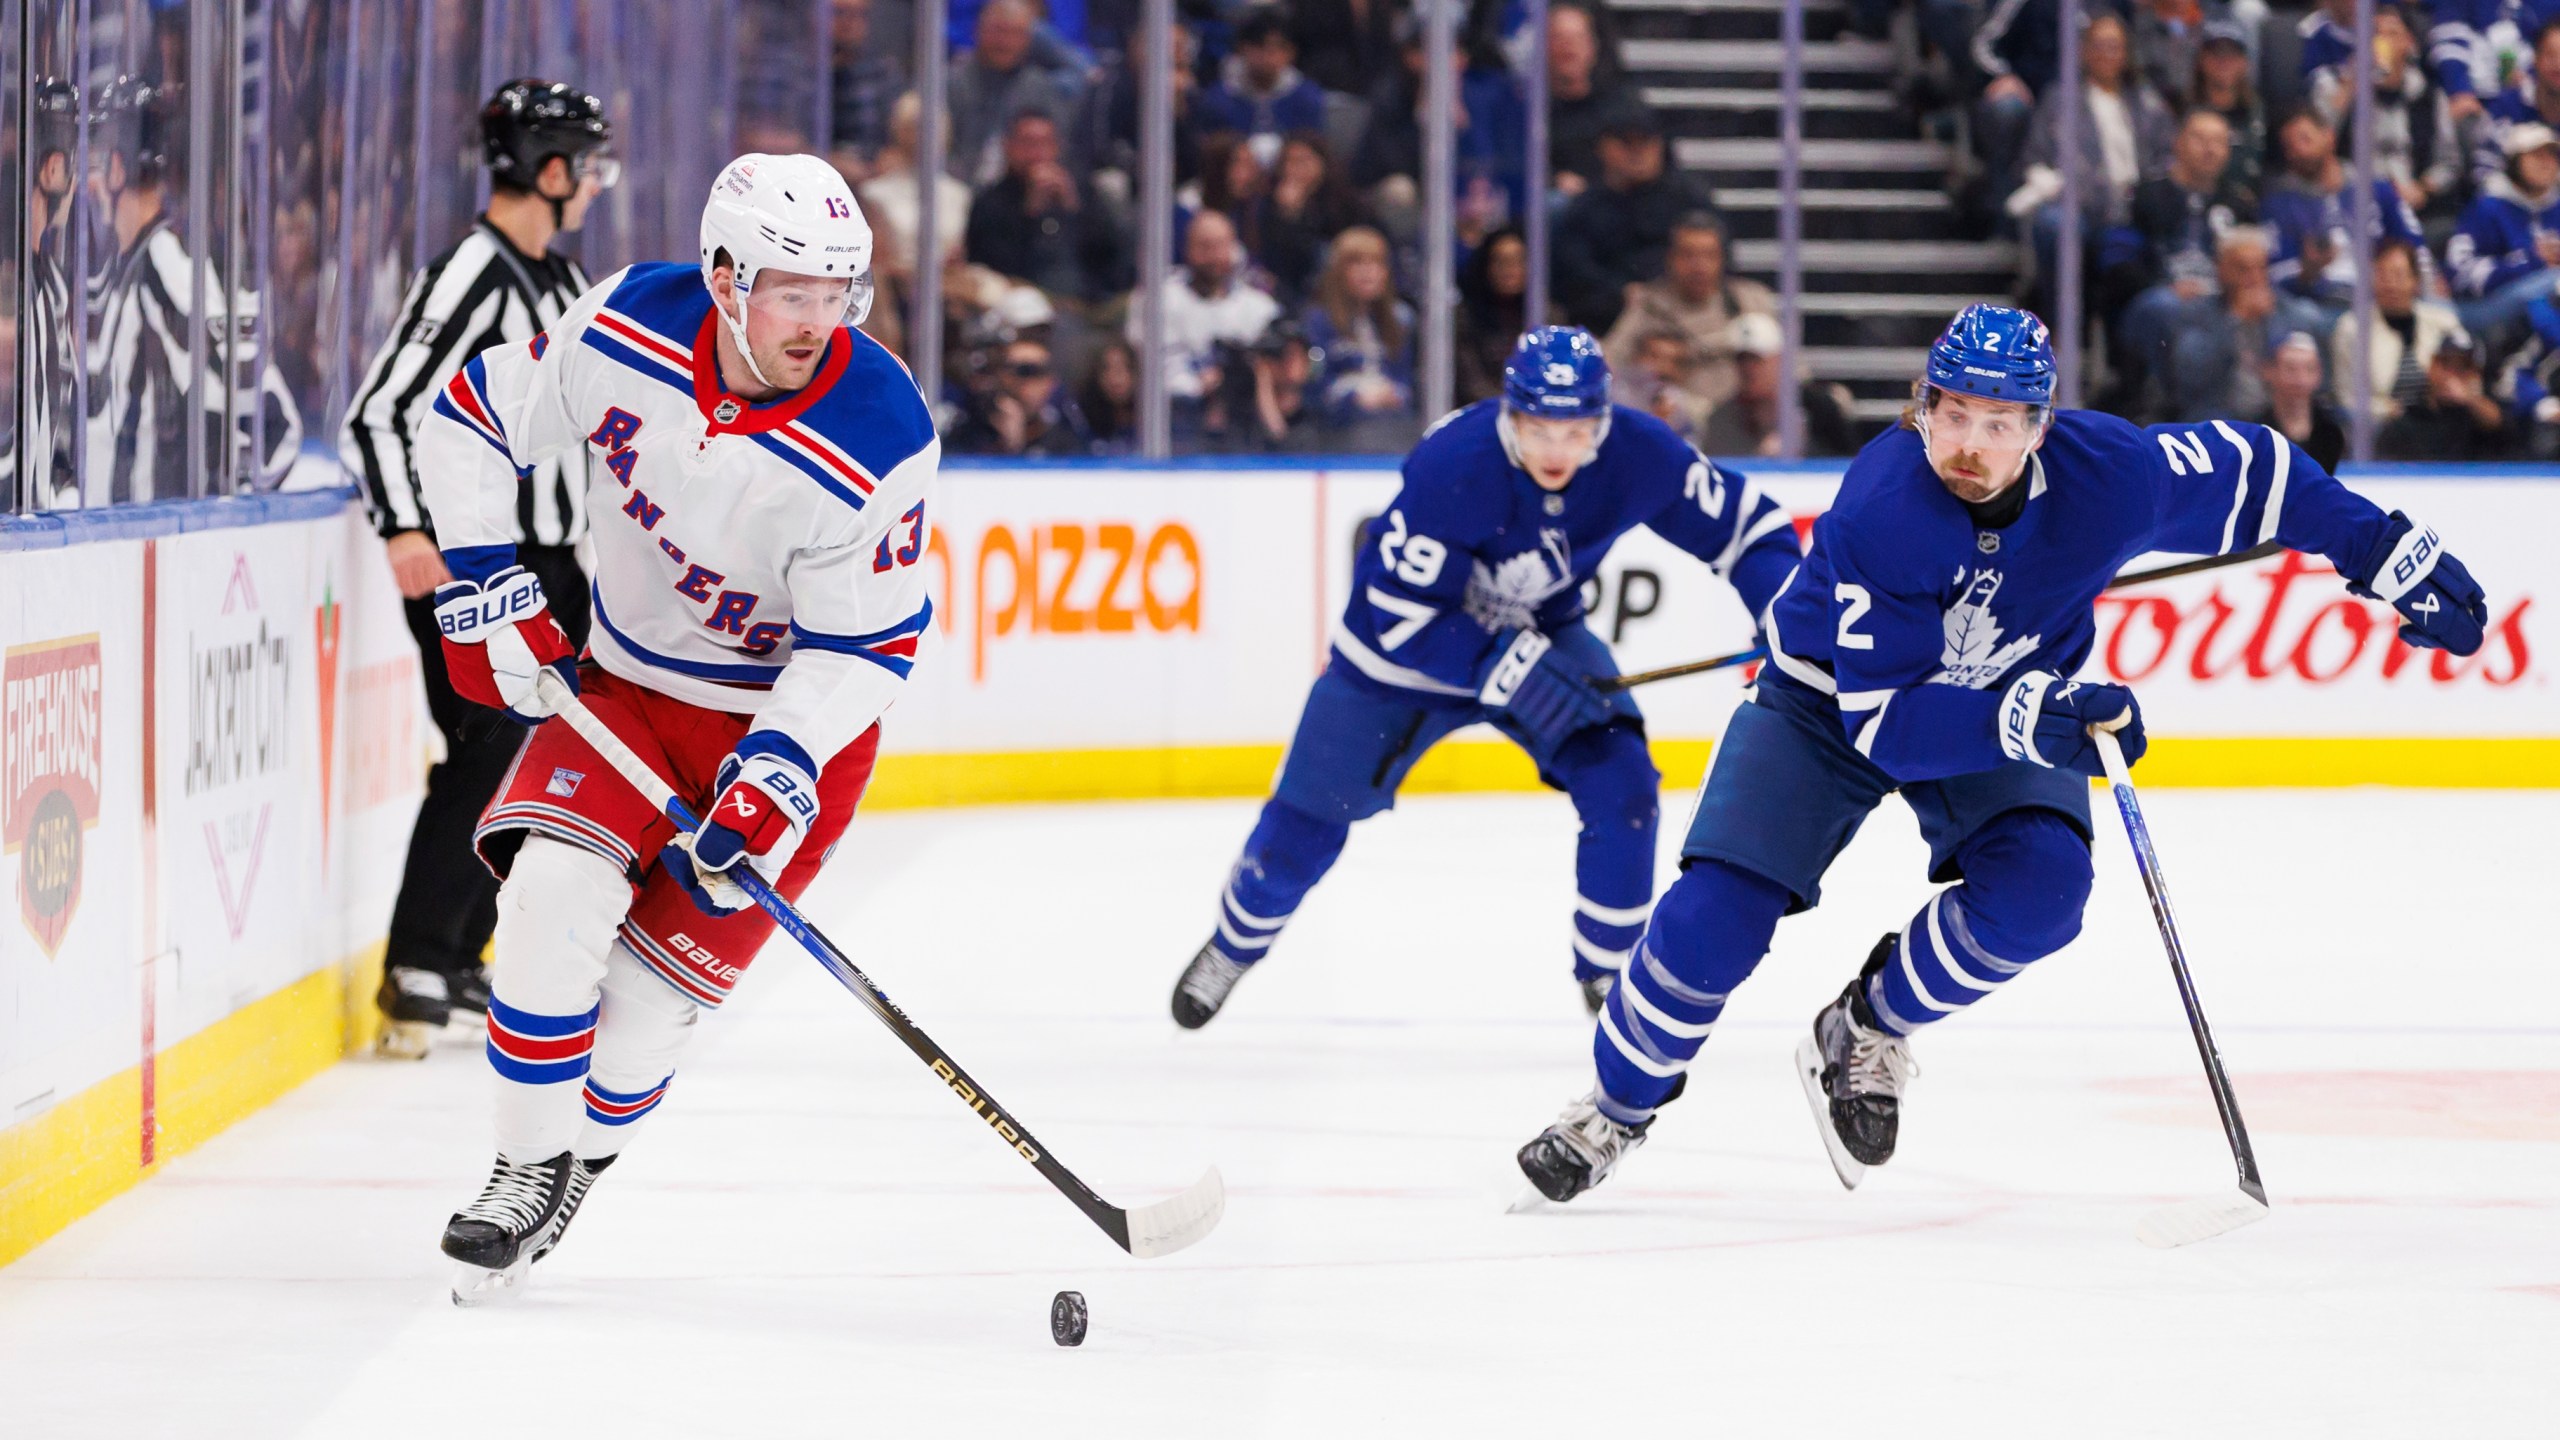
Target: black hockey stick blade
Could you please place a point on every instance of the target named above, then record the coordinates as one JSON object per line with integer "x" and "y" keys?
{"x": 1146, "y": 1232}
{"x": 2201, "y": 1219}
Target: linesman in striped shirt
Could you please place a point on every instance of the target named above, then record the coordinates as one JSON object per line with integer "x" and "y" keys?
{"x": 546, "y": 148}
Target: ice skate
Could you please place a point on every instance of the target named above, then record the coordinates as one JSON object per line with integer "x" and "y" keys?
{"x": 1595, "y": 992}
{"x": 582, "y": 1177}
{"x": 1853, "y": 1074}
{"x": 1204, "y": 987}
{"x": 1577, "y": 1152}
{"x": 493, "y": 1239}
{"x": 417, "y": 1002}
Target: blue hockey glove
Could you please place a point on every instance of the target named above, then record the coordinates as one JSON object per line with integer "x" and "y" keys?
{"x": 765, "y": 803}
{"x": 1538, "y": 687}
{"x": 2440, "y": 605}
{"x": 2046, "y": 719}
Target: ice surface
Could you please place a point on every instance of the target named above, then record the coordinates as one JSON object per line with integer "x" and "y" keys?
{"x": 812, "y": 1238}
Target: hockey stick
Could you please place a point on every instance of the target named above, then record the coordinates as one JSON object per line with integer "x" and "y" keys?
{"x": 2203, "y": 1218}
{"x": 1146, "y": 1232}
{"x": 1612, "y": 684}
{"x": 2137, "y": 577}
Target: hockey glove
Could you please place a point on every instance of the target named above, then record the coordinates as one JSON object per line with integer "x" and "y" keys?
{"x": 2046, "y": 720}
{"x": 2441, "y": 607}
{"x": 498, "y": 636}
{"x": 1537, "y": 687}
{"x": 766, "y": 803}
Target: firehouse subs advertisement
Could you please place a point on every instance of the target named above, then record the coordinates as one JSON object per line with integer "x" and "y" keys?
{"x": 210, "y": 739}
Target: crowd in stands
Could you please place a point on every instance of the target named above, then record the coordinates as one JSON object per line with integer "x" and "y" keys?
{"x": 1298, "y": 141}
{"x": 2216, "y": 216}
{"x": 2216, "y": 206}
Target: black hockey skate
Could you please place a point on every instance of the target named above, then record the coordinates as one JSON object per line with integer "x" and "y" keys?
{"x": 582, "y": 1177}
{"x": 1853, "y": 1074}
{"x": 1595, "y": 992}
{"x": 416, "y": 1002}
{"x": 1205, "y": 984}
{"x": 495, "y": 1237}
{"x": 1580, "y": 1149}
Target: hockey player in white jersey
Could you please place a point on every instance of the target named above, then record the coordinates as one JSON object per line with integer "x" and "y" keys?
{"x": 757, "y": 481}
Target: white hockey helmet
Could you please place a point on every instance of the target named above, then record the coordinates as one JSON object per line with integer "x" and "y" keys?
{"x": 786, "y": 212}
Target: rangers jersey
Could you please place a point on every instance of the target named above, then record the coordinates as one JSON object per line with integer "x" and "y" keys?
{"x": 758, "y": 559}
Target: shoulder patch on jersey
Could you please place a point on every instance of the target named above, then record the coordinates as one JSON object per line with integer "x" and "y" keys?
{"x": 871, "y": 420}
{"x": 664, "y": 298}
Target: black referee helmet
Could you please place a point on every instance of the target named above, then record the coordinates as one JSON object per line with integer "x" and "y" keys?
{"x": 131, "y": 120}
{"x": 529, "y": 121}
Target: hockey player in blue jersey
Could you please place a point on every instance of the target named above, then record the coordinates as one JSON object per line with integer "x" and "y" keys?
{"x": 1466, "y": 605}
{"x": 1928, "y": 644}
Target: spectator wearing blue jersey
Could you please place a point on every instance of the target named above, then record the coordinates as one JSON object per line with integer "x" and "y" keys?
{"x": 2313, "y": 216}
{"x": 2529, "y": 384}
{"x": 2534, "y": 99}
{"x": 2472, "y": 40}
{"x": 1259, "y": 90}
{"x": 2328, "y": 34}
{"x": 2503, "y": 255}
{"x": 2415, "y": 145}
{"x": 1365, "y": 336}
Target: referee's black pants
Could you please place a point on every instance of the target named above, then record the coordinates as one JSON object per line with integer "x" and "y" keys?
{"x": 448, "y": 903}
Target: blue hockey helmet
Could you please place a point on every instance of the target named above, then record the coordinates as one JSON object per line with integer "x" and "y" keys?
{"x": 1994, "y": 352}
{"x": 1557, "y": 372}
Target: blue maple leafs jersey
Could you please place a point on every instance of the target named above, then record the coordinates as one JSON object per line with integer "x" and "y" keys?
{"x": 1472, "y": 548}
{"x": 1912, "y": 615}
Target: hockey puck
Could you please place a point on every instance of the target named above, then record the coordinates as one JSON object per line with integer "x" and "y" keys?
{"x": 1066, "y": 1318}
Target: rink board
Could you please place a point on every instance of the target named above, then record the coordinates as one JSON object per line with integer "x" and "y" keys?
{"x": 1115, "y": 633}
{"x": 212, "y": 742}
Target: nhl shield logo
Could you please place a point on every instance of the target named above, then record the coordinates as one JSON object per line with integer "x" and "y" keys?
{"x": 727, "y": 411}
{"x": 1988, "y": 542}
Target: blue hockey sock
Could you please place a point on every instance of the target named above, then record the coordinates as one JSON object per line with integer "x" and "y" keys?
{"x": 2026, "y": 877}
{"x": 1283, "y": 859}
{"x": 1617, "y": 795}
{"x": 1707, "y": 934}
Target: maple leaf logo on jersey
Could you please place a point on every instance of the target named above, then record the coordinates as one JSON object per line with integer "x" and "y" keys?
{"x": 1507, "y": 596}
{"x": 1974, "y": 657}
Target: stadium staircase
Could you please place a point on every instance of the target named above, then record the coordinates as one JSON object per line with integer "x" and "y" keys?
{"x": 1885, "y": 259}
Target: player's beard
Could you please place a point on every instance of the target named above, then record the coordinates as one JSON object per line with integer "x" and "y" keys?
{"x": 787, "y": 372}
{"x": 1974, "y": 483}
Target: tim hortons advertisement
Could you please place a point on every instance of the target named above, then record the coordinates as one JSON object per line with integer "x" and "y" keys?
{"x": 1101, "y": 609}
